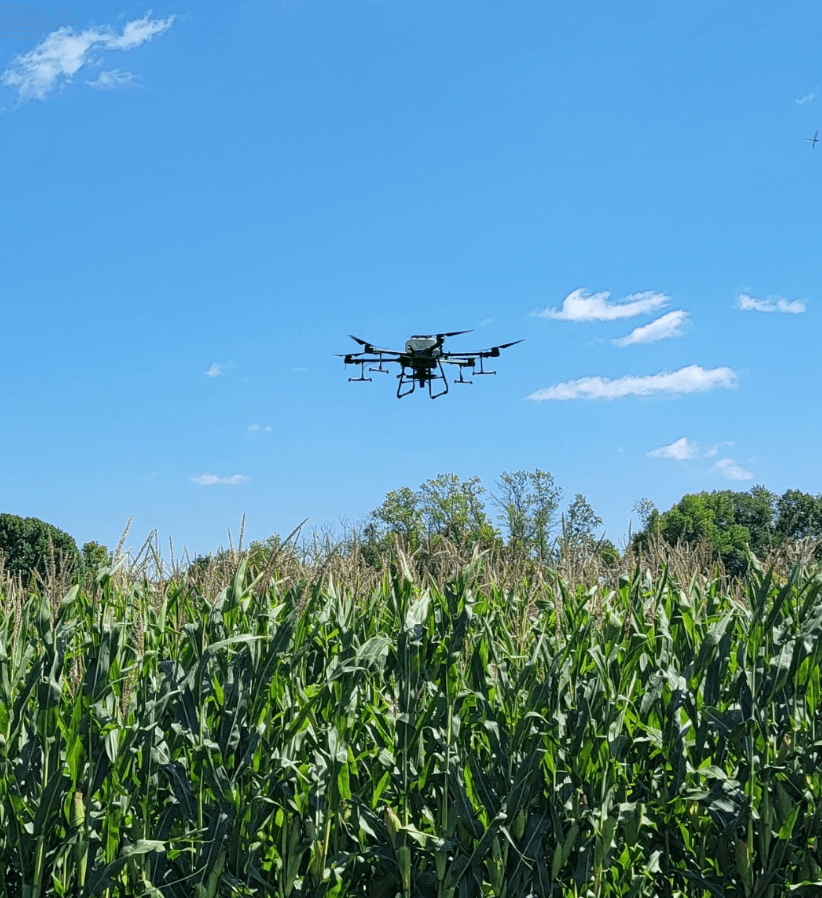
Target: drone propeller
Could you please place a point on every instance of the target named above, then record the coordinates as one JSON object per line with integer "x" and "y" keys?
{"x": 371, "y": 349}
{"x": 493, "y": 352}
{"x": 438, "y": 337}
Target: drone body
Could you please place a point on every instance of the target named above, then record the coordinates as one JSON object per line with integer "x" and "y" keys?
{"x": 422, "y": 362}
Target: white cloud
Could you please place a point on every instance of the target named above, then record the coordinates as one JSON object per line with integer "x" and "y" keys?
{"x": 683, "y": 449}
{"x": 680, "y": 450}
{"x": 671, "y": 324}
{"x": 691, "y": 379}
{"x": 253, "y": 427}
{"x": 137, "y": 32}
{"x": 777, "y": 304}
{"x": 268, "y": 428}
{"x": 714, "y": 450}
{"x": 583, "y": 306}
{"x": 61, "y": 54}
{"x": 217, "y": 369}
{"x": 112, "y": 80}
{"x": 731, "y": 470}
{"x": 808, "y": 98}
{"x": 214, "y": 479}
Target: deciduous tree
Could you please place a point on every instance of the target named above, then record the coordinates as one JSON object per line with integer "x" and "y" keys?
{"x": 29, "y": 545}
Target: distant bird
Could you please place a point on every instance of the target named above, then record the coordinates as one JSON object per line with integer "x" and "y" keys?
{"x": 24, "y": 24}
{"x": 813, "y": 139}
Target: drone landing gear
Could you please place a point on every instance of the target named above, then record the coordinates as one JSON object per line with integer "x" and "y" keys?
{"x": 461, "y": 379}
{"x": 444, "y": 390}
{"x": 405, "y": 381}
{"x": 408, "y": 383}
{"x": 362, "y": 378}
{"x": 482, "y": 370}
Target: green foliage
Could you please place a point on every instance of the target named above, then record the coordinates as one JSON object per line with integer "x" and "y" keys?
{"x": 798, "y": 516}
{"x": 443, "y": 506}
{"x": 94, "y": 558}
{"x": 733, "y": 522}
{"x": 439, "y": 740}
{"x": 448, "y": 508}
{"x": 29, "y": 545}
{"x": 608, "y": 552}
{"x": 400, "y": 514}
{"x": 579, "y": 524}
{"x": 528, "y": 503}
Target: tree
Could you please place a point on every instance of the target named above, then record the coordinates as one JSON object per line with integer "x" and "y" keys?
{"x": 399, "y": 513}
{"x": 29, "y": 544}
{"x": 94, "y": 557}
{"x": 443, "y": 506}
{"x": 453, "y": 508}
{"x": 730, "y": 522}
{"x": 754, "y": 510}
{"x": 528, "y": 502}
{"x": 798, "y": 516}
{"x": 579, "y": 524}
{"x": 648, "y": 513}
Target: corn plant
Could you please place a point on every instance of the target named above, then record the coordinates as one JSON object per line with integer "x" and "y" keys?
{"x": 414, "y": 738}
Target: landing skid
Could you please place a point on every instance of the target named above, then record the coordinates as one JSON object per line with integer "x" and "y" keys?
{"x": 410, "y": 383}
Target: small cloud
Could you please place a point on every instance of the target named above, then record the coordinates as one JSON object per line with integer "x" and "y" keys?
{"x": 671, "y": 324}
{"x": 268, "y": 428}
{"x": 714, "y": 450}
{"x": 730, "y": 469}
{"x": 691, "y": 379}
{"x": 771, "y": 304}
{"x": 217, "y": 369}
{"x": 137, "y": 32}
{"x": 256, "y": 428}
{"x": 680, "y": 450}
{"x": 299, "y": 370}
{"x": 61, "y": 54}
{"x": 216, "y": 479}
{"x": 808, "y": 98}
{"x": 583, "y": 306}
{"x": 112, "y": 80}
{"x": 485, "y": 322}
{"x": 253, "y": 427}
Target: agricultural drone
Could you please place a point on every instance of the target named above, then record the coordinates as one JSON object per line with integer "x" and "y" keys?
{"x": 422, "y": 362}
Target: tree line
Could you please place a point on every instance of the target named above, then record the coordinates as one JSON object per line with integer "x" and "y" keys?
{"x": 523, "y": 514}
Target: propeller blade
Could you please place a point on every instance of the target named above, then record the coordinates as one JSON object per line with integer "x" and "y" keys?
{"x": 371, "y": 349}
{"x": 453, "y": 334}
{"x": 438, "y": 336}
{"x": 485, "y": 353}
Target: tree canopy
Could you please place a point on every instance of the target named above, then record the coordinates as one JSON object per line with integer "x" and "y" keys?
{"x": 731, "y": 522}
{"x": 28, "y": 545}
{"x": 443, "y": 506}
{"x": 527, "y": 502}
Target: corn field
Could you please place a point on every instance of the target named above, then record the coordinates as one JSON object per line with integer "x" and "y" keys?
{"x": 407, "y": 737}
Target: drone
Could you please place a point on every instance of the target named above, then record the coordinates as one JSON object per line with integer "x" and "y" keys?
{"x": 421, "y": 362}
{"x": 814, "y": 140}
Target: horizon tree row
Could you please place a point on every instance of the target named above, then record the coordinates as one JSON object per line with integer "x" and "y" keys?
{"x": 529, "y": 521}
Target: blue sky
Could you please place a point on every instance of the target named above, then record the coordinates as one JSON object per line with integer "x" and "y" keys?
{"x": 200, "y": 203}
